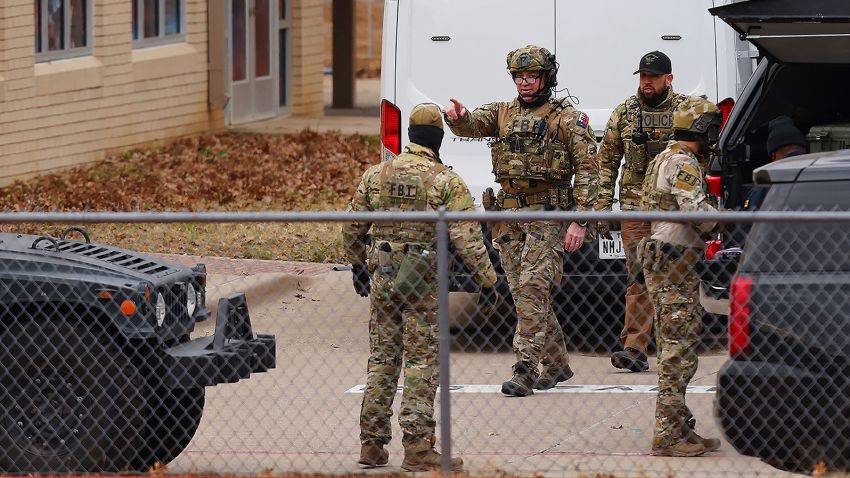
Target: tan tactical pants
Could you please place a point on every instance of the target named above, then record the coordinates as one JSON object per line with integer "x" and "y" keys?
{"x": 638, "y": 318}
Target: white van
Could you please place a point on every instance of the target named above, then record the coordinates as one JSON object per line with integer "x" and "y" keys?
{"x": 434, "y": 50}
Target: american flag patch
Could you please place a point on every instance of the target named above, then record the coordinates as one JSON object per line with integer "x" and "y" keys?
{"x": 583, "y": 120}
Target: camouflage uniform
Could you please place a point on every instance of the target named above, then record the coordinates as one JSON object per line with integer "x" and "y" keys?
{"x": 675, "y": 181}
{"x": 404, "y": 325}
{"x": 630, "y": 117}
{"x": 536, "y": 153}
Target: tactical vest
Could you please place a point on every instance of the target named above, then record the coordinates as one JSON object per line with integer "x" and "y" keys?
{"x": 652, "y": 199}
{"x": 403, "y": 190}
{"x": 658, "y": 127}
{"x": 529, "y": 149}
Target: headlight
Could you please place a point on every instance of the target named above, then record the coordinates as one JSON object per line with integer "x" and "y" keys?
{"x": 191, "y": 299}
{"x": 160, "y": 309}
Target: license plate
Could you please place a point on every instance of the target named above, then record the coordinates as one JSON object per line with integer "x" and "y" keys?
{"x": 612, "y": 248}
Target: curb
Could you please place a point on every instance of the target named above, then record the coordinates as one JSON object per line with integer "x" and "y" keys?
{"x": 262, "y": 281}
{"x": 246, "y": 267}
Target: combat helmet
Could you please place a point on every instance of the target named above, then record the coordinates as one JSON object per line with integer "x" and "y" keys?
{"x": 697, "y": 117}
{"x": 534, "y": 58}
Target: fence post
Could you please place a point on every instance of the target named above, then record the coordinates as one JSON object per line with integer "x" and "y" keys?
{"x": 444, "y": 341}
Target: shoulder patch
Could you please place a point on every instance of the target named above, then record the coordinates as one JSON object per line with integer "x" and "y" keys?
{"x": 688, "y": 178}
{"x": 582, "y": 121}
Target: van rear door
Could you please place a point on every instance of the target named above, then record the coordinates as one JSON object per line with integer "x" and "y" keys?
{"x": 457, "y": 49}
{"x": 599, "y": 47}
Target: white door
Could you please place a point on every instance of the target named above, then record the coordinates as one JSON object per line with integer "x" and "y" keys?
{"x": 253, "y": 60}
{"x": 599, "y": 50}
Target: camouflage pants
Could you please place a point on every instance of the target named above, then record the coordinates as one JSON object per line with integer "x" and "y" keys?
{"x": 400, "y": 330}
{"x": 674, "y": 284}
{"x": 531, "y": 255}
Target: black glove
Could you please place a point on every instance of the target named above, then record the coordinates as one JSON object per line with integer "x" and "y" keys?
{"x": 487, "y": 300}
{"x": 360, "y": 276}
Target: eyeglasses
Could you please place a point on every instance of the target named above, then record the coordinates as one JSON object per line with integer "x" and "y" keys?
{"x": 526, "y": 79}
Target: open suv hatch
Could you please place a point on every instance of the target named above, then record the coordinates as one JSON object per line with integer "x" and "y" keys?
{"x": 803, "y": 73}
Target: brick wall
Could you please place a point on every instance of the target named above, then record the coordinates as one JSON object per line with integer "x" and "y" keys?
{"x": 75, "y": 111}
{"x": 307, "y": 57}
{"x": 59, "y": 114}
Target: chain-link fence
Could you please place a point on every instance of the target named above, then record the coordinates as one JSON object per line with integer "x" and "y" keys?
{"x": 113, "y": 360}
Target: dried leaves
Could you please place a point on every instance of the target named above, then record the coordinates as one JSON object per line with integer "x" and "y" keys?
{"x": 227, "y": 172}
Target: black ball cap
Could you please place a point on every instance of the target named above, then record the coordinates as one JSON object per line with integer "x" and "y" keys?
{"x": 655, "y": 62}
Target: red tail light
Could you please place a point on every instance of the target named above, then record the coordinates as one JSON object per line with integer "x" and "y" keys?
{"x": 739, "y": 316}
{"x": 711, "y": 248}
{"x": 715, "y": 185}
{"x": 391, "y": 127}
{"x": 725, "y": 107}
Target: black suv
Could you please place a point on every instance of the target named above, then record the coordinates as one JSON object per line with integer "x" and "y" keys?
{"x": 784, "y": 395}
{"x": 803, "y": 73}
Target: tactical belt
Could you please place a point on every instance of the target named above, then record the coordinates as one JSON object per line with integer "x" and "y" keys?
{"x": 670, "y": 251}
{"x": 556, "y": 197}
{"x": 513, "y": 201}
{"x": 406, "y": 246}
{"x": 386, "y": 264}
{"x": 533, "y": 186}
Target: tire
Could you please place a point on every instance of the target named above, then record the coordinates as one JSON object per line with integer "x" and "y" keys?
{"x": 71, "y": 395}
{"x": 172, "y": 415}
{"x": 173, "y": 418}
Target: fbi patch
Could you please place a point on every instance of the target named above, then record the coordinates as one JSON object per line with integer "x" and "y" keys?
{"x": 688, "y": 178}
{"x": 583, "y": 120}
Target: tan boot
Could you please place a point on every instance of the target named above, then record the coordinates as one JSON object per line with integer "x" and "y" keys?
{"x": 710, "y": 444}
{"x": 372, "y": 455}
{"x": 681, "y": 448}
{"x": 689, "y": 432}
{"x": 428, "y": 460}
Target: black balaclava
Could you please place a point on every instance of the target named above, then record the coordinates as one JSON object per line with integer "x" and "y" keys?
{"x": 426, "y": 135}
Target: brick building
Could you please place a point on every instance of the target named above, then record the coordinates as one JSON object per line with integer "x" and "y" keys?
{"x": 80, "y": 79}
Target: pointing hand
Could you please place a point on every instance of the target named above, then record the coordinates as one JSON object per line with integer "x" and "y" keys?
{"x": 455, "y": 110}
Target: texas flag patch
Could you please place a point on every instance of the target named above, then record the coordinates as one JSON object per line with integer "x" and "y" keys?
{"x": 583, "y": 120}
